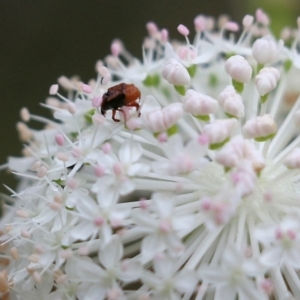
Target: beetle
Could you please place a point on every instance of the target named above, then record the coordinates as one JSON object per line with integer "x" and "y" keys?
{"x": 118, "y": 96}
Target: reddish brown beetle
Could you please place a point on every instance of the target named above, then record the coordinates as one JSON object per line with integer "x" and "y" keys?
{"x": 118, "y": 96}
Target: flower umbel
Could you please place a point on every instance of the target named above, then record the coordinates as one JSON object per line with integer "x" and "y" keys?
{"x": 196, "y": 198}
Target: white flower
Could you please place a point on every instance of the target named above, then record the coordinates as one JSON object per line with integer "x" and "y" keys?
{"x": 282, "y": 242}
{"x": 194, "y": 199}
{"x": 233, "y": 277}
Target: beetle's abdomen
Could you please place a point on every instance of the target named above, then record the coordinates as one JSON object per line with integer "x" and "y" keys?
{"x": 112, "y": 101}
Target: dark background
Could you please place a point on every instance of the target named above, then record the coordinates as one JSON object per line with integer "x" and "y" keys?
{"x": 43, "y": 39}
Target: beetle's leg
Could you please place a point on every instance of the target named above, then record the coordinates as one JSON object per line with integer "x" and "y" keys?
{"x": 113, "y": 115}
{"x": 102, "y": 112}
{"x": 136, "y": 105}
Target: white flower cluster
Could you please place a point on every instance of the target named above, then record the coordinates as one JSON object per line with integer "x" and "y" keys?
{"x": 193, "y": 194}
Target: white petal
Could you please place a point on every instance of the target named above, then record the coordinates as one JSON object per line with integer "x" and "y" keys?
{"x": 131, "y": 272}
{"x": 272, "y": 256}
{"x": 105, "y": 234}
{"x": 150, "y": 279}
{"x": 164, "y": 266}
{"x": 265, "y": 233}
{"x": 225, "y": 292}
{"x": 186, "y": 281}
{"x": 126, "y": 187}
{"x": 96, "y": 292}
{"x": 130, "y": 152}
{"x": 111, "y": 253}
{"x": 163, "y": 204}
{"x": 46, "y": 285}
{"x": 83, "y": 230}
{"x": 212, "y": 274}
{"x": 87, "y": 207}
{"x": 138, "y": 169}
{"x": 151, "y": 245}
{"x": 144, "y": 219}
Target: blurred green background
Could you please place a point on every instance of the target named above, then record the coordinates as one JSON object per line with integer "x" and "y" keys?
{"x": 43, "y": 39}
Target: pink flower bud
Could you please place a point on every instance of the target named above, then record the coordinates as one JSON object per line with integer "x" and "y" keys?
{"x": 25, "y": 115}
{"x": 199, "y": 104}
{"x": 164, "y": 34}
{"x": 99, "y": 170}
{"x": 41, "y": 172}
{"x": 71, "y": 107}
{"x": 97, "y": 101}
{"x": 86, "y": 88}
{"x": 59, "y": 139}
{"x": 259, "y": 127}
{"x": 106, "y": 148}
{"x": 261, "y": 17}
{"x": 53, "y": 89}
{"x": 219, "y": 130}
{"x": 292, "y": 161}
{"x": 116, "y": 47}
{"x": 238, "y": 149}
{"x": 200, "y": 23}
{"x": 66, "y": 83}
{"x": 238, "y": 68}
{"x": 171, "y": 114}
{"x": 98, "y": 119}
{"x": 152, "y": 28}
{"x": 265, "y": 50}
{"x": 153, "y": 119}
{"x": 62, "y": 156}
{"x": 183, "y": 30}
{"x": 266, "y": 80}
{"x": 231, "y": 26}
{"x": 248, "y": 21}
{"x": 175, "y": 73}
{"x": 231, "y": 102}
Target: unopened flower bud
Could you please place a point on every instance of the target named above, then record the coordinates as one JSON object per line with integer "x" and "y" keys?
{"x": 199, "y": 104}
{"x": 262, "y": 17}
{"x": 260, "y": 128}
{"x": 183, "y": 30}
{"x": 98, "y": 119}
{"x": 239, "y": 149}
{"x": 41, "y": 172}
{"x": 66, "y": 83}
{"x": 200, "y": 23}
{"x": 86, "y": 88}
{"x": 248, "y": 21}
{"x": 231, "y": 102}
{"x": 175, "y": 73}
{"x": 62, "y": 156}
{"x": 231, "y": 26}
{"x": 152, "y": 28}
{"x": 25, "y": 115}
{"x": 264, "y": 50}
{"x": 116, "y": 47}
{"x": 59, "y": 139}
{"x": 266, "y": 80}
{"x": 292, "y": 161}
{"x": 71, "y": 107}
{"x": 238, "y": 68}
{"x": 219, "y": 132}
{"x": 53, "y": 89}
{"x": 171, "y": 114}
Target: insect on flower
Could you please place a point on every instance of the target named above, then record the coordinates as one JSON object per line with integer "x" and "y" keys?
{"x": 118, "y": 96}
